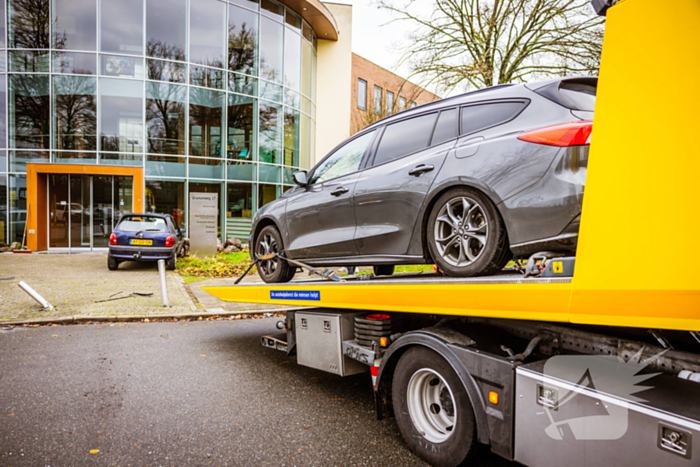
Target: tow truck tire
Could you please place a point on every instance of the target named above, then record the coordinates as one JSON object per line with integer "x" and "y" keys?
{"x": 275, "y": 270}
{"x": 384, "y": 270}
{"x": 112, "y": 263}
{"x": 425, "y": 392}
{"x": 483, "y": 221}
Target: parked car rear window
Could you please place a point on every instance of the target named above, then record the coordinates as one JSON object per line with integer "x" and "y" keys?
{"x": 142, "y": 224}
{"x": 405, "y": 137}
{"x": 482, "y": 116}
{"x": 344, "y": 160}
{"x": 581, "y": 95}
{"x": 447, "y": 127}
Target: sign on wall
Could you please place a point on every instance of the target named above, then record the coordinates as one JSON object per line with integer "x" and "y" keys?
{"x": 204, "y": 212}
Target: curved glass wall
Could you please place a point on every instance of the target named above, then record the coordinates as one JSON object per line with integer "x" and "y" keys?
{"x": 205, "y": 95}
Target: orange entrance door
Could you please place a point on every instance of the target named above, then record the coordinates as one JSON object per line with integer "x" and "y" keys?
{"x": 76, "y": 206}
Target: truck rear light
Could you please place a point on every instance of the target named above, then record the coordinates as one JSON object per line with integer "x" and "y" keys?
{"x": 562, "y": 135}
{"x": 170, "y": 241}
{"x": 113, "y": 239}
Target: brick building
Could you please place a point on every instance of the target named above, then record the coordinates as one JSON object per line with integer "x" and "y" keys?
{"x": 377, "y": 93}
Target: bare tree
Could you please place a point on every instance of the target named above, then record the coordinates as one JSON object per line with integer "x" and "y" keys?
{"x": 478, "y": 43}
{"x": 362, "y": 118}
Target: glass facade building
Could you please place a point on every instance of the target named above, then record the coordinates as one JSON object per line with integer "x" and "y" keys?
{"x": 203, "y": 95}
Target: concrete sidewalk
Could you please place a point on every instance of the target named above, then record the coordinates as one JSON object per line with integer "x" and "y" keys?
{"x": 74, "y": 283}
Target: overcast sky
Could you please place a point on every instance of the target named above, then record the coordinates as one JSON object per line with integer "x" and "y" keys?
{"x": 373, "y": 38}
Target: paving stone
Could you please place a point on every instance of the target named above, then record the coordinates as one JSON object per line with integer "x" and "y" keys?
{"x": 73, "y": 283}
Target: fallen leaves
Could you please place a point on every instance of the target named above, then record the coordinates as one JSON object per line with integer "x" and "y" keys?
{"x": 94, "y": 451}
{"x": 202, "y": 355}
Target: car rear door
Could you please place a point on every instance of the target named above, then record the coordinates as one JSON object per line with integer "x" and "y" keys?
{"x": 390, "y": 193}
{"x": 320, "y": 217}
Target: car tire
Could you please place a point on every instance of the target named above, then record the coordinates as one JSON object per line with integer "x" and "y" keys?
{"x": 476, "y": 247}
{"x": 112, "y": 263}
{"x": 433, "y": 409}
{"x": 384, "y": 270}
{"x": 274, "y": 270}
{"x": 171, "y": 263}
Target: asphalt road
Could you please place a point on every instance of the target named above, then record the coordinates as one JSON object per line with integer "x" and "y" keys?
{"x": 179, "y": 393}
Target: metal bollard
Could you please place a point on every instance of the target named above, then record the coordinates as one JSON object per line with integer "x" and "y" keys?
{"x": 32, "y": 293}
{"x": 163, "y": 285}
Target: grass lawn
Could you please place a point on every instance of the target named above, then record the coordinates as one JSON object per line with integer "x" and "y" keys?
{"x": 194, "y": 269}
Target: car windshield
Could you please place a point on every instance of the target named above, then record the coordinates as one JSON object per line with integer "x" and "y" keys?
{"x": 142, "y": 224}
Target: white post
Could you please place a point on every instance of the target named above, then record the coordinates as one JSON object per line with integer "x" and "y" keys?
{"x": 32, "y": 293}
{"x": 163, "y": 285}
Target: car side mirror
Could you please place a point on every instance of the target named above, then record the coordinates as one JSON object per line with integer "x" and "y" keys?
{"x": 300, "y": 177}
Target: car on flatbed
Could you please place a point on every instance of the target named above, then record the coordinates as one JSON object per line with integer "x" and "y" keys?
{"x": 467, "y": 183}
{"x": 145, "y": 237}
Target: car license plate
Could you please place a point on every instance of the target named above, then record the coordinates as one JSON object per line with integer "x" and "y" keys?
{"x": 141, "y": 242}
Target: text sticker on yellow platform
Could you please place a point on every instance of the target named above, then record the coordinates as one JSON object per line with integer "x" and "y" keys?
{"x": 558, "y": 267}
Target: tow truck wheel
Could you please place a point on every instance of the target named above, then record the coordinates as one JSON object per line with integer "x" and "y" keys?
{"x": 465, "y": 234}
{"x": 267, "y": 242}
{"x": 433, "y": 409}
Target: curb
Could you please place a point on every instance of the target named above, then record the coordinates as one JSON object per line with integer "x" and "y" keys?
{"x": 157, "y": 316}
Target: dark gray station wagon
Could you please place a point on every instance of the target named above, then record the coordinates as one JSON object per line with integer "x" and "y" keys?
{"x": 467, "y": 183}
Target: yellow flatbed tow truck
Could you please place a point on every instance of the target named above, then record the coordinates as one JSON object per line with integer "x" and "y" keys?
{"x": 601, "y": 368}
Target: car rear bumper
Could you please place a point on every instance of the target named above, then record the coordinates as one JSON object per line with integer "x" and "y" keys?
{"x": 129, "y": 252}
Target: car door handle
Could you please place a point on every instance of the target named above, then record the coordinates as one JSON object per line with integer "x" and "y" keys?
{"x": 421, "y": 169}
{"x": 339, "y": 191}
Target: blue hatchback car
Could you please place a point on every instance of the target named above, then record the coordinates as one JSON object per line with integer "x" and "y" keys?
{"x": 145, "y": 237}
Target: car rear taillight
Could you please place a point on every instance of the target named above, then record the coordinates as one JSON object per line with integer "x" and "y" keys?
{"x": 170, "y": 241}
{"x": 113, "y": 239}
{"x": 563, "y": 135}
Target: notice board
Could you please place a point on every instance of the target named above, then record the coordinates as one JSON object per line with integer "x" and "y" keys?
{"x": 204, "y": 213}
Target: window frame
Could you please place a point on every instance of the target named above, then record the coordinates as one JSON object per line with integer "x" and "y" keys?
{"x": 368, "y": 151}
{"x": 377, "y": 109}
{"x": 364, "y": 101}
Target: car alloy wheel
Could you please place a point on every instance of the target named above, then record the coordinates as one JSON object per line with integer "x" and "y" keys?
{"x": 267, "y": 245}
{"x": 461, "y": 231}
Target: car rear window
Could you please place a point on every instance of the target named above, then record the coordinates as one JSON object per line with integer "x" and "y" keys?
{"x": 581, "y": 95}
{"x": 481, "y": 116}
{"x": 405, "y": 137}
{"x": 142, "y": 224}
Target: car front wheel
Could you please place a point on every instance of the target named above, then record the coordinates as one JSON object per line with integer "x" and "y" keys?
{"x": 271, "y": 270}
{"x": 466, "y": 236}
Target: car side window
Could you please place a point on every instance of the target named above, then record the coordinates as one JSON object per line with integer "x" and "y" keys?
{"x": 405, "y": 137}
{"x": 481, "y": 116}
{"x": 344, "y": 161}
{"x": 447, "y": 127}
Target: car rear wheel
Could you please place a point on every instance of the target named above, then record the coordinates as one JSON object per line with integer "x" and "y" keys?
{"x": 384, "y": 270}
{"x": 432, "y": 409}
{"x": 268, "y": 242}
{"x": 466, "y": 236}
{"x": 171, "y": 263}
{"x": 112, "y": 263}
